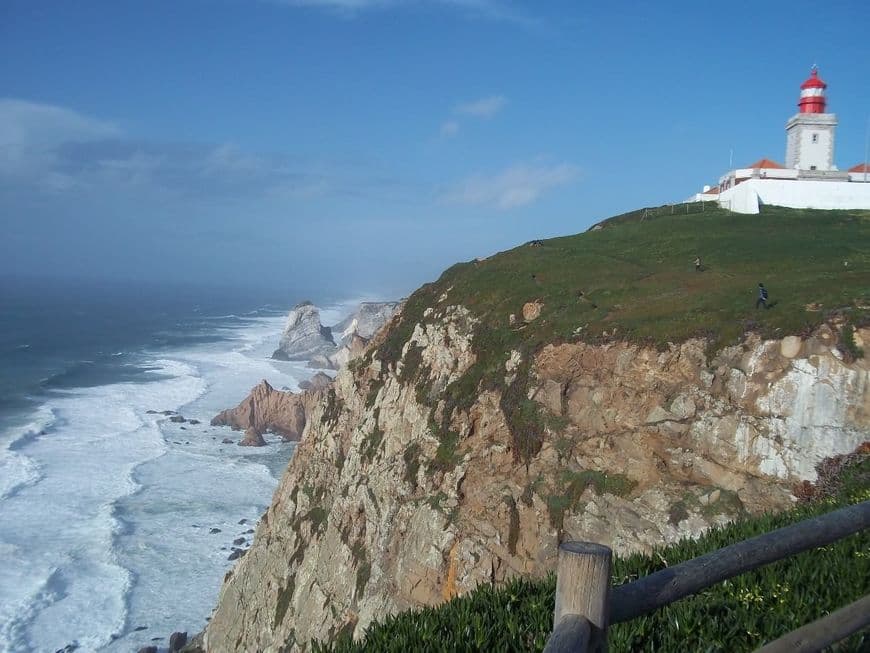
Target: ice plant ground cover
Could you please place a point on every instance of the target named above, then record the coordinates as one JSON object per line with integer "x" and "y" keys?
{"x": 740, "y": 614}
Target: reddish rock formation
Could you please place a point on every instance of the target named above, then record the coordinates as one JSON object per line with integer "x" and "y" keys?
{"x": 267, "y": 410}
{"x": 252, "y": 439}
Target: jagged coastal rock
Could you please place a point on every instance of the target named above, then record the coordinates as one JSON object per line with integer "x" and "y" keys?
{"x": 267, "y": 410}
{"x": 366, "y": 321}
{"x": 396, "y": 498}
{"x": 316, "y": 382}
{"x": 304, "y": 336}
{"x": 252, "y": 439}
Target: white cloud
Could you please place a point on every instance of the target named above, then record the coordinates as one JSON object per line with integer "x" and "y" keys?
{"x": 449, "y": 129}
{"x": 491, "y": 9}
{"x": 514, "y": 187}
{"x": 344, "y": 5}
{"x": 29, "y": 122}
{"x": 29, "y": 131}
{"x": 57, "y": 150}
{"x": 483, "y": 108}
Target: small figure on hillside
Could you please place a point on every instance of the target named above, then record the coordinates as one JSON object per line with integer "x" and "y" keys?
{"x": 697, "y": 264}
{"x": 762, "y": 296}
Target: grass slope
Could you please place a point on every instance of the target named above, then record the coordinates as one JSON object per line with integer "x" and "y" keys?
{"x": 633, "y": 279}
{"x": 740, "y": 614}
{"x": 638, "y": 275}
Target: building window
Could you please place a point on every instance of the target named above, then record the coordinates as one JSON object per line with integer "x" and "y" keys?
{"x": 812, "y": 167}
{"x": 815, "y": 138}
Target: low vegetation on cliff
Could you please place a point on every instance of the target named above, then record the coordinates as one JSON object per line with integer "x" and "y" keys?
{"x": 737, "y": 615}
{"x": 633, "y": 278}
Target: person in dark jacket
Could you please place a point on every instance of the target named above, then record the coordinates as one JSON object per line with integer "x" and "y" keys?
{"x": 762, "y": 296}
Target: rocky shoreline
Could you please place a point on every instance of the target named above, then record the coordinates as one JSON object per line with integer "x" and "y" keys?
{"x": 284, "y": 413}
{"x": 267, "y": 410}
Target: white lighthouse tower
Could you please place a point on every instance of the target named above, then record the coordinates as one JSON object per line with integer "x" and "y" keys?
{"x": 809, "y": 179}
{"x": 810, "y": 132}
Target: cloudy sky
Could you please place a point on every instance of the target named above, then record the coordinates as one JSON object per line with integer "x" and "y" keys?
{"x": 365, "y": 145}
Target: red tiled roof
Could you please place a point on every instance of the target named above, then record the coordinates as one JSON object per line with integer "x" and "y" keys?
{"x": 861, "y": 167}
{"x": 766, "y": 163}
{"x": 711, "y": 191}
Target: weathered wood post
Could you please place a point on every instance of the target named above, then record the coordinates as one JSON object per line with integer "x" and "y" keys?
{"x": 581, "y": 616}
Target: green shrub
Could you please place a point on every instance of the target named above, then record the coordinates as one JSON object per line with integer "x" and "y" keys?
{"x": 412, "y": 464}
{"x": 446, "y": 456}
{"x": 334, "y": 406}
{"x": 574, "y": 484}
{"x": 847, "y": 339}
{"x": 372, "y": 443}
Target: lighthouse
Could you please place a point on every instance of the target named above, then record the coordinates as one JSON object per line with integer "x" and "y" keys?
{"x": 809, "y": 179}
{"x": 810, "y": 132}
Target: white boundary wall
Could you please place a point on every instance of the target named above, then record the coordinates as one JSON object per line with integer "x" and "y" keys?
{"x": 747, "y": 196}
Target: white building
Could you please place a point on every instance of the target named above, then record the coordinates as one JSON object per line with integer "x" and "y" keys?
{"x": 809, "y": 179}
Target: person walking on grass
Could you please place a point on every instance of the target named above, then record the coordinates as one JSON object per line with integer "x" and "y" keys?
{"x": 697, "y": 264}
{"x": 762, "y": 296}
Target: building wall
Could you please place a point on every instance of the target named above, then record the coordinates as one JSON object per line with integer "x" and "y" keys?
{"x": 752, "y": 193}
{"x": 810, "y": 141}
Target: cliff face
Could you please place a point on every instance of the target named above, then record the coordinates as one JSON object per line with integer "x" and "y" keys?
{"x": 366, "y": 321}
{"x": 399, "y": 496}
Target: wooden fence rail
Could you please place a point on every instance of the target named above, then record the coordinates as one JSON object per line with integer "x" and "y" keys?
{"x": 631, "y": 600}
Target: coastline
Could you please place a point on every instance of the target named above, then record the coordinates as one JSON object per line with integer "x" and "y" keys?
{"x": 142, "y": 512}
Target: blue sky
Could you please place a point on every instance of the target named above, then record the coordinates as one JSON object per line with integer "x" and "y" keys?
{"x": 346, "y": 146}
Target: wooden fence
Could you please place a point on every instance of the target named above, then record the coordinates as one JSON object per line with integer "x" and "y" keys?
{"x": 586, "y": 604}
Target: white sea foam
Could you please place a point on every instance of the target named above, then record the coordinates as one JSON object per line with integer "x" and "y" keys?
{"x": 114, "y": 518}
{"x": 64, "y": 584}
{"x": 17, "y": 471}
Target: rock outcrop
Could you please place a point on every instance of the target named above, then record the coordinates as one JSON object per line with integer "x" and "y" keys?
{"x": 355, "y": 346}
{"x": 366, "y": 321}
{"x": 317, "y": 382}
{"x": 267, "y": 410}
{"x": 399, "y": 496}
{"x": 252, "y": 439}
{"x": 304, "y": 336}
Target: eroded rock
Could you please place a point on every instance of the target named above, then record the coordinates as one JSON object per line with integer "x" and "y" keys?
{"x": 376, "y": 515}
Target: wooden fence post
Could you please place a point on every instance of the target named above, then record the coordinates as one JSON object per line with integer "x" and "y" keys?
{"x": 583, "y": 588}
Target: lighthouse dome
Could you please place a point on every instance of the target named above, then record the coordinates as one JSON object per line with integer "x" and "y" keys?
{"x": 814, "y": 81}
{"x": 812, "y": 98}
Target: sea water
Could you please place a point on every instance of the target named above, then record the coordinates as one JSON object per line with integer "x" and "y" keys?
{"x": 116, "y": 523}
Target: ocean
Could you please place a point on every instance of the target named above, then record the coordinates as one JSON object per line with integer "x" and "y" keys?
{"x": 116, "y": 523}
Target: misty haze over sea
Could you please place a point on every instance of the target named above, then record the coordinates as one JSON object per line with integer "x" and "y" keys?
{"x": 115, "y": 522}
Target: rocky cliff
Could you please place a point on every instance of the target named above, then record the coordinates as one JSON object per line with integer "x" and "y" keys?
{"x": 268, "y": 410}
{"x": 366, "y": 321}
{"x": 421, "y": 475}
{"x": 304, "y": 336}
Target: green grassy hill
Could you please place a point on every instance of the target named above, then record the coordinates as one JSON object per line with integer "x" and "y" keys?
{"x": 632, "y": 278}
{"x": 637, "y": 276}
